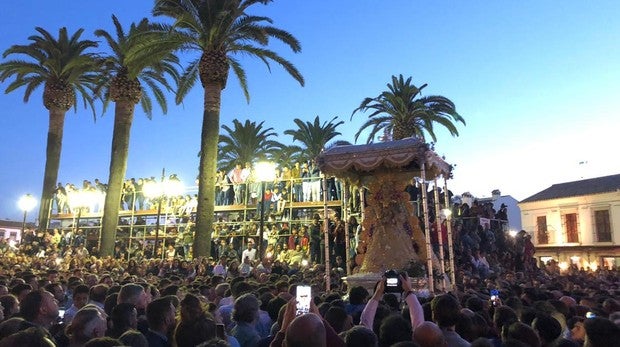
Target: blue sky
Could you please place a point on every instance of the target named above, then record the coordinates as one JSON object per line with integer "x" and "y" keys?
{"x": 536, "y": 81}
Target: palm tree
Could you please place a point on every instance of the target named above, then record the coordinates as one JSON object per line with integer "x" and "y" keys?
{"x": 131, "y": 68}
{"x": 288, "y": 155}
{"x": 246, "y": 142}
{"x": 65, "y": 70}
{"x": 219, "y": 30}
{"x": 313, "y": 135}
{"x": 401, "y": 112}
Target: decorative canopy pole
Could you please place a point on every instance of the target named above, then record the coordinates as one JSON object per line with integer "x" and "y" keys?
{"x": 448, "y": 213}
{"x": 442, "y": 265}
{"x": 427, "y": 233}
{"x": 328, "y": 279}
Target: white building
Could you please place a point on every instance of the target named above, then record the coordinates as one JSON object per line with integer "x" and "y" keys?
{"x": 576, "y": 222}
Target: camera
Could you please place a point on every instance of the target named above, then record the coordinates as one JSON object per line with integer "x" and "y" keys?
{"x": 392, "y": 282}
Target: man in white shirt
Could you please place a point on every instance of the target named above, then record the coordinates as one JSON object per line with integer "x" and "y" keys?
{"x": 250, "y": 252}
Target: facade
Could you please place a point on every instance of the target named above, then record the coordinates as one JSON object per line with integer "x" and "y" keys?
{"x": 576, "y": 222}
{"x": 11, "y": 230}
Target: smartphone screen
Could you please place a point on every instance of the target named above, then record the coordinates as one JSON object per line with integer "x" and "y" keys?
{"x": 61, "y": 313}
{"x": 304, "y": 295}
{"x": 494, "y": 296}
{"x": 391, "y": 282}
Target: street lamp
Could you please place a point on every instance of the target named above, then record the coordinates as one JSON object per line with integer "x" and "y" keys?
{"x": 26, "y": 203}
{"x": 265, "y": 172}
{"x": 161, "y": 190}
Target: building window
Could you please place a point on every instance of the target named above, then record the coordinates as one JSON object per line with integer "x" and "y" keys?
{"x": 571, "y": 227}
{"x": 602, "y": 226}
{"x": 541, "y": 227}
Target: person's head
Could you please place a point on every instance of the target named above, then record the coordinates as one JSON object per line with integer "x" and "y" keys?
{"x": 359, "y": 335}
{"x": 124, "y": 317}
{"x": 13, "y": 325}
{"x": 31, "y": 337}
{"x": 80, "y": 296}
{"x": 521, "y": 332}
{"x": 428, "y": 334}
{"x": 192, "y": 333}
{"x": 56, "y": 290}
{"x": 245, "y": 309}
{"x": 358, "y": 295}
{"x": 39, "y": 307}
{"x": 445, "y": 309}
{"x": 601, "y": 332}
{"x": 88, "y": 323}
{"x": 577, "y": 328}
{"x": 20, "y": 290}
{"x": 133, "y": 338}
{"x": 104, "y": 341}
{"x": 10, "y": 305}
{"x": 132, "y": 294}
{"x": 394, "y": 328}
{"x": 216, "y": 342}
{"x": 160, "y": 314}
{"x": 98, "y": 292}
{"x": 337, "y": 317}
{"x": 191, "y": 308}
{"x": 547, "y": 327}
{"x": 306, "y": 330}
{"x": 504, "y": 315}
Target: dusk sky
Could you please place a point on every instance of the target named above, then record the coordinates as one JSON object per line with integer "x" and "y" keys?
{"x": 536, "y": 81}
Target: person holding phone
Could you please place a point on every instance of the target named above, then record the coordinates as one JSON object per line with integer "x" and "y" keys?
{"x": 416, "y": 313}
{"x": 309, "y": 329}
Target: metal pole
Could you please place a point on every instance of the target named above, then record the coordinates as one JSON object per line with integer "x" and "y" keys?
{"x": 262, "y": 220}
{"x": 450, "y": 239}
{"x": 157, "y": 229}
{"x": 362, "y": 203}
{"x": 157, "y": 224}
{"x": 326, "y": 236}
{"x": 77, "y": 224}
{"x": 24, "y": 222}
{"x": 442, "y": 266}
{"x": 427, "y": 233}
{"x": 345, "y": 213}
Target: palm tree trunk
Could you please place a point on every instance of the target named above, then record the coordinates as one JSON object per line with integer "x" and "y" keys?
{"x": 52, "y": 163}
{"x": 123, "y": 118}
{"x": 207, "y": 170}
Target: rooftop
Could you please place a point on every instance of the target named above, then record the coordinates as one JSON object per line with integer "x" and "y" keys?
{"x": 590, "y": 186}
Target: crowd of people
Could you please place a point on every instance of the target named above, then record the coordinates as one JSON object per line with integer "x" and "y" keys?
{"x": 54, "y": 291}
{"x": 300, "y": 182}
{"x": 91, "y": 301}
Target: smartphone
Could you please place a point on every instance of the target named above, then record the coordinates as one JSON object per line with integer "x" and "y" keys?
{"x": 304, "y": 295}
{"x": 219, "y": 331}
{"x": 494, "y": 296}
{"x": 590, "y": 315}
{"x": 61, "y": 314}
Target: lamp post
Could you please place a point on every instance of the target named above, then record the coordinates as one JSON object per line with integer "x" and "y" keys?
{"x": 161, "y": 191}
{"x": 265, "y": 171}
{"x": 26, "y": 203}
